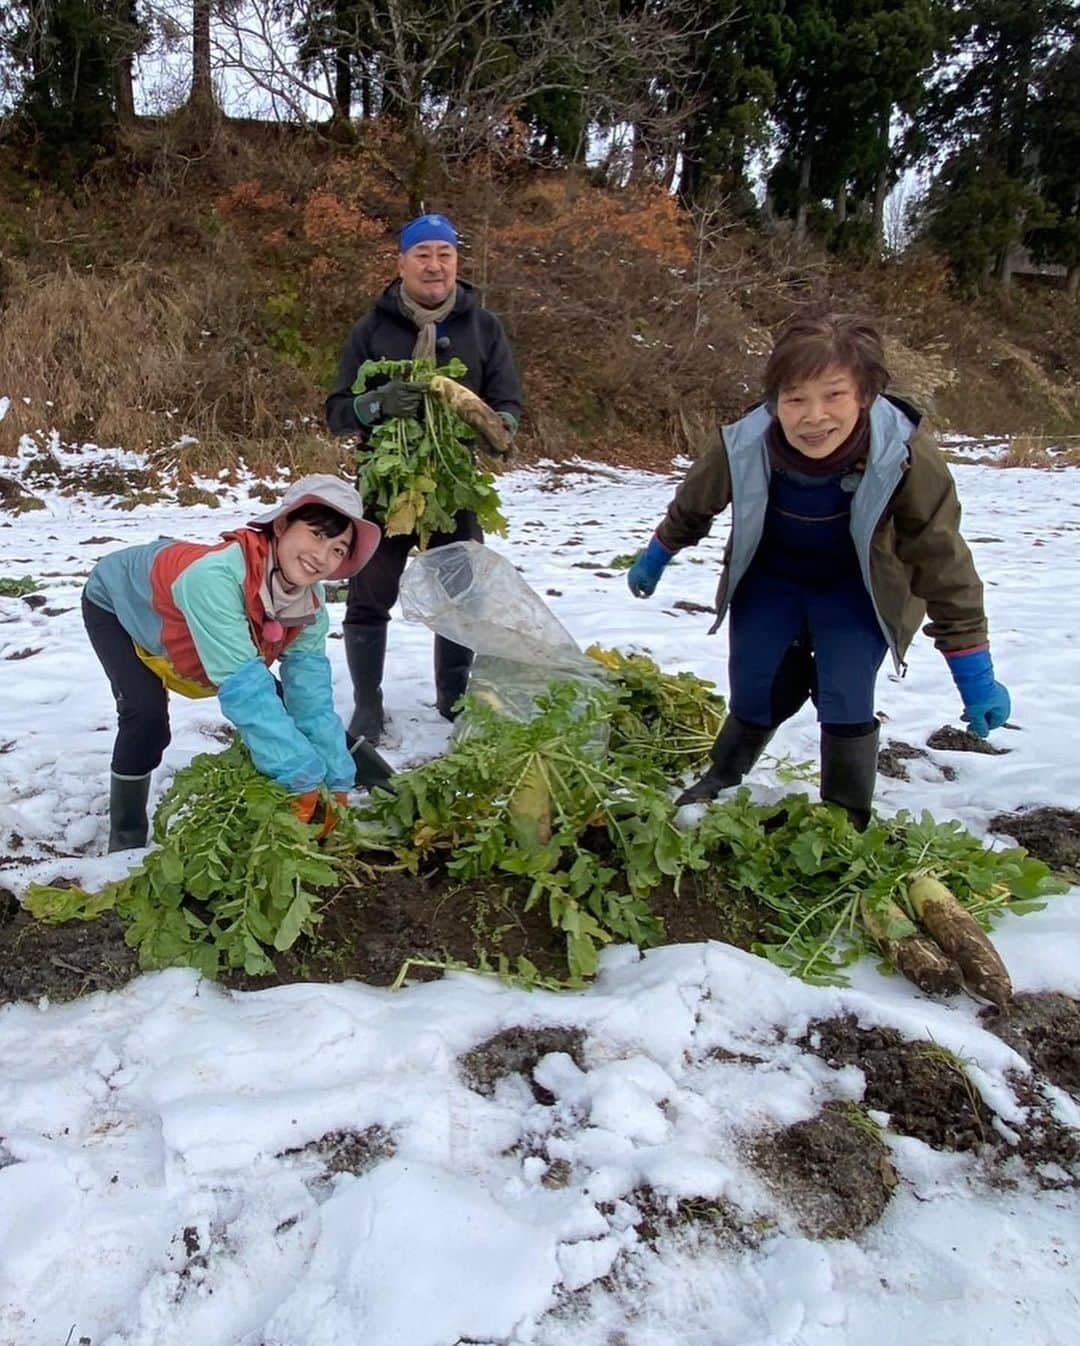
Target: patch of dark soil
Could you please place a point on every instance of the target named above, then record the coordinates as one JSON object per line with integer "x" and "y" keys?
{"x": 55, "y": 612}
{"x": 17, "y": 500}
{"x": 896, "y": 752}
{"x": 685, "y": 605}
{"x": 368, "y": 933}
{"x": 350, "y": 1151}
{"x": 97, "y": 541}
{"x": 706, "y": 908}
{"x": 9, "y": 906}
{"x": 656, "y": 1215}
{"x": 1050, "y": 834}
{"x": 921, "y": 1086}
{"x": 33, "y": 601}
{"x": 950, "y": 739}
{"x": 833, "y": 1171}
{"x": 518, "y": 1051}
{"x": 1045, "y": 1147}
{"x": 63, "y": 962}
{"x": 1044, "y": 1028}
{"x": 28, "y": 653}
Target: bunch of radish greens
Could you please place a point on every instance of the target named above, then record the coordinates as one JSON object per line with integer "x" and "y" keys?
{"x": 418, "y": 474}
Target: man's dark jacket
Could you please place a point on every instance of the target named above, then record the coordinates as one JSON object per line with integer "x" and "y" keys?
{"x": 471, "y": 334}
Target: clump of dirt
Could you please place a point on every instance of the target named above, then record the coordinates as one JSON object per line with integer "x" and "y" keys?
{"x": 833, "y": 1171}
{"x": 1050, "y": 834}
{"x": 927, "y": 1094}
{"x": 896, "y": 752}
{"x": 920, "y": 1085}
{"x": 347, "y": 1151}
{"x": 950, "y": 739}
{"x": 518, "y": 1051}
{"x": 62, "y": 962}
{"x": 1044, "y": 1028}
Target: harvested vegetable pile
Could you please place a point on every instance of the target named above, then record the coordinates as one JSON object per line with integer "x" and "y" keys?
{"x": 572, "y": 814}
{"x": 235, "y": 873}
{"x": 419, "y": 474}
{"x": 918, "y": 892}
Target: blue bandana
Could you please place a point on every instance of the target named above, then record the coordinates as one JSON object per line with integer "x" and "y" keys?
{"x": 428, "y": 229}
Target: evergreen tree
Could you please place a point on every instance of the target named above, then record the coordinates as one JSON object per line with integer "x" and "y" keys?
{"x": 69, "y": 55}
{"x": 858, "y": 66}
{"x": 735, "y": 70}
{"x": 985, "y": 111}
{"x": 1055, "y": 131}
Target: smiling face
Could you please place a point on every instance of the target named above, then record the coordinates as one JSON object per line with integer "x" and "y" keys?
{"x": 819, "y": 413}
{"x": 306, "y": 553}
{"x": 428, "y": 272}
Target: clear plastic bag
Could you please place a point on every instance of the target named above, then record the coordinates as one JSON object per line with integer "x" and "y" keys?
{"x": 475, "y": 597}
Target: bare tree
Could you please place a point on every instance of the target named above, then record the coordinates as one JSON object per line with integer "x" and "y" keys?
{"x": 453, "y": 77}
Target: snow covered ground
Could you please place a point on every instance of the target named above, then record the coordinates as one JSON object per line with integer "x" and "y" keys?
{"x": 154, "y": 1185}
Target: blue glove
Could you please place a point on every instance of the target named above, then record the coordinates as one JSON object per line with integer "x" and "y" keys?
{"x": 986, "y": 702}
{"x": 644, "y": 574}
{"x": 279, "y": 750}
{"x": 309, "y": 699}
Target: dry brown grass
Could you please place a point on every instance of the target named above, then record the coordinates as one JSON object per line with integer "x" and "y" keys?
{"x": 1041, "y": 451}
{"x": 143, "y": 357}
{"x": 201, "y": 292}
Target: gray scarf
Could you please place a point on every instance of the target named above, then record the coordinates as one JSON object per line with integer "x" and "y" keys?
{"x": 425, "y": 319}
{"x": 290, "y": 607}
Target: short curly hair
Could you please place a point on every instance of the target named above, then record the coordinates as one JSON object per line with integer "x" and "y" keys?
{"x": 809, "y": 344}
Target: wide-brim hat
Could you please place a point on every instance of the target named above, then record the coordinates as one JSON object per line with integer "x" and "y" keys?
{"x": 322, "y": 489}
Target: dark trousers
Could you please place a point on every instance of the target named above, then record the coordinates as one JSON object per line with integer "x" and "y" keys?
{"x": 790, "y": 642}
{"x": 142, "y": 703}
{"x": 374, "y": 591}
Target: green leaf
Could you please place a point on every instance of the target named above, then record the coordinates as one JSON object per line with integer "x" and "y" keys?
{"x": 296, "y": 918}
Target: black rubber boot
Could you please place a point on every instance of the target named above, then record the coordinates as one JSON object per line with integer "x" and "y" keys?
{"x": 737, "y": 748}
{"x": 371, "y": 767}
{"x": 365, "y": 653}
{"x": 452, "y": 664}
{"x": 848, "y": 773}
{"x": 128, "y": 823}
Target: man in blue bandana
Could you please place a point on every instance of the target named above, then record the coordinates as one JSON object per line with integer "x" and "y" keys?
{"x": 427, "y": 313}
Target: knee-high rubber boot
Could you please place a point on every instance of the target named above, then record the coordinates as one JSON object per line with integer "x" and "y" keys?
{"x": 737, "y": 748}
{"x": 365, "y": 653}
{"x": 452, "y": 664}
{"x": 848, "y": 773}
{"x": 128, "y": 823}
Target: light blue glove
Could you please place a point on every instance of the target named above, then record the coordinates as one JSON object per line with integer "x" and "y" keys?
{"x": 986, "y": 702}
{"x": 309, "y": 699}
{"x": 279, "y": 750}
{"x": 644, "y": 574}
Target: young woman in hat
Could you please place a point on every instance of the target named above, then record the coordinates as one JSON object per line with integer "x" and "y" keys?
{"x": 208, "y": 619}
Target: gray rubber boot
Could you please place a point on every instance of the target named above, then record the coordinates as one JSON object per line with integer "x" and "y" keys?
{"x": 365, "y": 653}
{"x": 737, "y": 748}
{"x": 849, "y": 772}
{"x": 452, "y": 664}
{"x": 128, "y": 823}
